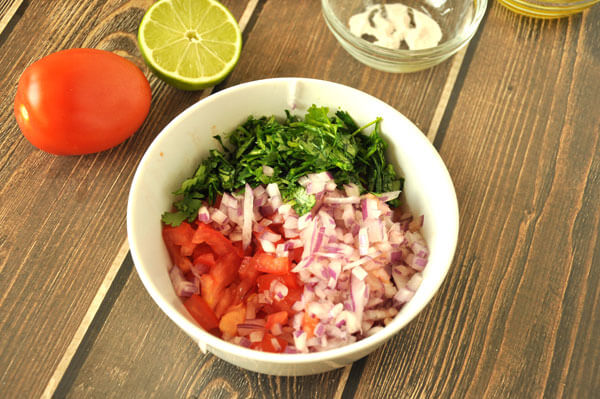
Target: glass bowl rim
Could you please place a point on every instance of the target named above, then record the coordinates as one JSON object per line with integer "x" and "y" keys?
{"x": 364, "y": 46}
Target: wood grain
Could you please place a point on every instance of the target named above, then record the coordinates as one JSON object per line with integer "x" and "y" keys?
{"x": 8, "y": 11}
{"x": 308, "y": 49}
{"x": 191, "y": 374}
{"x": 518, "y": 315}
{"x": 516, "y": 121}
{"x": 62, "y": 218}
{"x": 149, "y": 356}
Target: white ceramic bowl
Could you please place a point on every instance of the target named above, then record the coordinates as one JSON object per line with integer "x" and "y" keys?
{"x": 179, "y": 148}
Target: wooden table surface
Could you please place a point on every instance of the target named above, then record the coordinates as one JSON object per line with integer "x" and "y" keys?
{"x": 516, "y": 118}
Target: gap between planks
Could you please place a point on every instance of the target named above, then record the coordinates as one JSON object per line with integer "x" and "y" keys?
{"x": 86, "y": 322}
{"x": 118, "y": 261}
{"x": 62, "y": 366}
{"x": 10, "y": 13}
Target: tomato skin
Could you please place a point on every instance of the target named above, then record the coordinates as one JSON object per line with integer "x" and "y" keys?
{"x": 201, "y": 312}
{"x": 266, "y": 345}
{"x": 81, "y": 101}
{"x": 268, "y": 263}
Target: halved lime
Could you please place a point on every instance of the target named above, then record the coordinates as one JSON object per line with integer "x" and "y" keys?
{"x": 190, "y": 44}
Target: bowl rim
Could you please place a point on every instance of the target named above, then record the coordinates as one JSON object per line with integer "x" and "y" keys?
{"x": 203, "y": 338}
{"x": 446, "y": 47}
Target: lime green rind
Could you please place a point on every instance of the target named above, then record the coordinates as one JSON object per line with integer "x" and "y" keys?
{"x": 157, "y": 49}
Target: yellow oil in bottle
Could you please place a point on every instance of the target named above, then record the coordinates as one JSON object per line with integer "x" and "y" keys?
{"x": 547, "y": 9}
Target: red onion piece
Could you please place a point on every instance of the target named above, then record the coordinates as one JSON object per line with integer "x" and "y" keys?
{"x": 363, "y": 241}
{"x": 183, "y": 287}
{"x": 357, "y": 293}
{"x": 385, "y": 197}
{"x": 247, "y": 216}
{"x": 203, "y": 215}
{"x": 267, "y": 170}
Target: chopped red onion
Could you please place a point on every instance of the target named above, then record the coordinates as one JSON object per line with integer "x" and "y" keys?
{"x": 357, "y": 293}
{"x": 266, "y": 210}
{"x": 404, "y": 295}
{"x": 278, "y": 290}
{"x": 291, "y": 222}
{"x": 218, "y": 216}
{"x": 267, "y": 170}
{"x": 203, "y": 215}
{"x": 267, "y": 246}
{"x": 359, "y": 273}
{"x": 183, "y": 287}
{"x": 414, "y": 282}
{"x": 276, "y": 344}
{"x": 385, "y": 197}
{"x": 228, "y": 201}
{"x": 247, "y": 328}
{"x": 273, "y": 190}
{"x": 257, "y": 336}
{"x": 248, "y": 216}
{"x": 363, "y": 241}
{"x": 270, "y": 236}
{"x": 199, "y": 269}
{"x": 358, "y": 265}
{"x": 304, "y": 220}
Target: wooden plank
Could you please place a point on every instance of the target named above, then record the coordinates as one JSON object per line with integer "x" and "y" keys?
{"x": 519, "y": 313}
{"x": 308, "y": 49}
{"x": 152, "y": 357}
{"x": 99, "y": 299}
{"x": 181, "y": 373}
{"x": 8, "y": 10}
{"x": 63, "y": 218}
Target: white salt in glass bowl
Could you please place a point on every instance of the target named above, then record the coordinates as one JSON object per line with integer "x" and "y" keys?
{"x": 183, "y": 143}
{"x": 457, "y": 20}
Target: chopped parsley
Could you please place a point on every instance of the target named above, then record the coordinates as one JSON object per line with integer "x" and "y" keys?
{"x": 293, "y": 148}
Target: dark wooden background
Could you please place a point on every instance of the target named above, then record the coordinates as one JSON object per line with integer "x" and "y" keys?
{"x": 516, "y": 118}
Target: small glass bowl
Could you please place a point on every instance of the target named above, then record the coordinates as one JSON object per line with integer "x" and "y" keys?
{"x": 457, "y": 19}
{"x": 547, "y": 9}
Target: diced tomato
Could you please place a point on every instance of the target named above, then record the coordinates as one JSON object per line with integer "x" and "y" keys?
{"x": 270, "y": 343}
{"x": 309, "y": 322}
{"x": 220, "y": 244}
{"x": 296, "y": 254}
{"x": 209, "y": 290}
{"x": 225, "y": 300}
{"x": 293, "y": 296}
{"x": 247, "y": 270}
{"x": 175, "y": 254}
{"x": 276, "y": 228}
{"x": 290, "y": 280}
{"x": 280, "y": 318}
{"x": 203, "y": 254}
{"x": 242, "y": 289}
{"x": 268, "y": 263}
{"x": 201, "y": 312}
{"x": 229, "y": 279}
{"x": 223, "y": 273}
{"x": 226, "y": 269}
{"x": 258, "y": 235}
{"x": 238, "y": 245}
{"x": 231, "y": 319}
{"x": 182, "y": 236}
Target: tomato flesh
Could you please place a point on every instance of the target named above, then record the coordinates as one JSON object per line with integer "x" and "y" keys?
{"x": 230, "y": 279}
{"x": 201, "y": 312}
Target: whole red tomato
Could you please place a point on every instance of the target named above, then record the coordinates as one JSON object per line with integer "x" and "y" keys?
{"x": 80, "y": 101}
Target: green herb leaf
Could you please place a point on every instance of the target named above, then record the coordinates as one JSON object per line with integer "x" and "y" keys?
{"x": 294, "y": 148}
